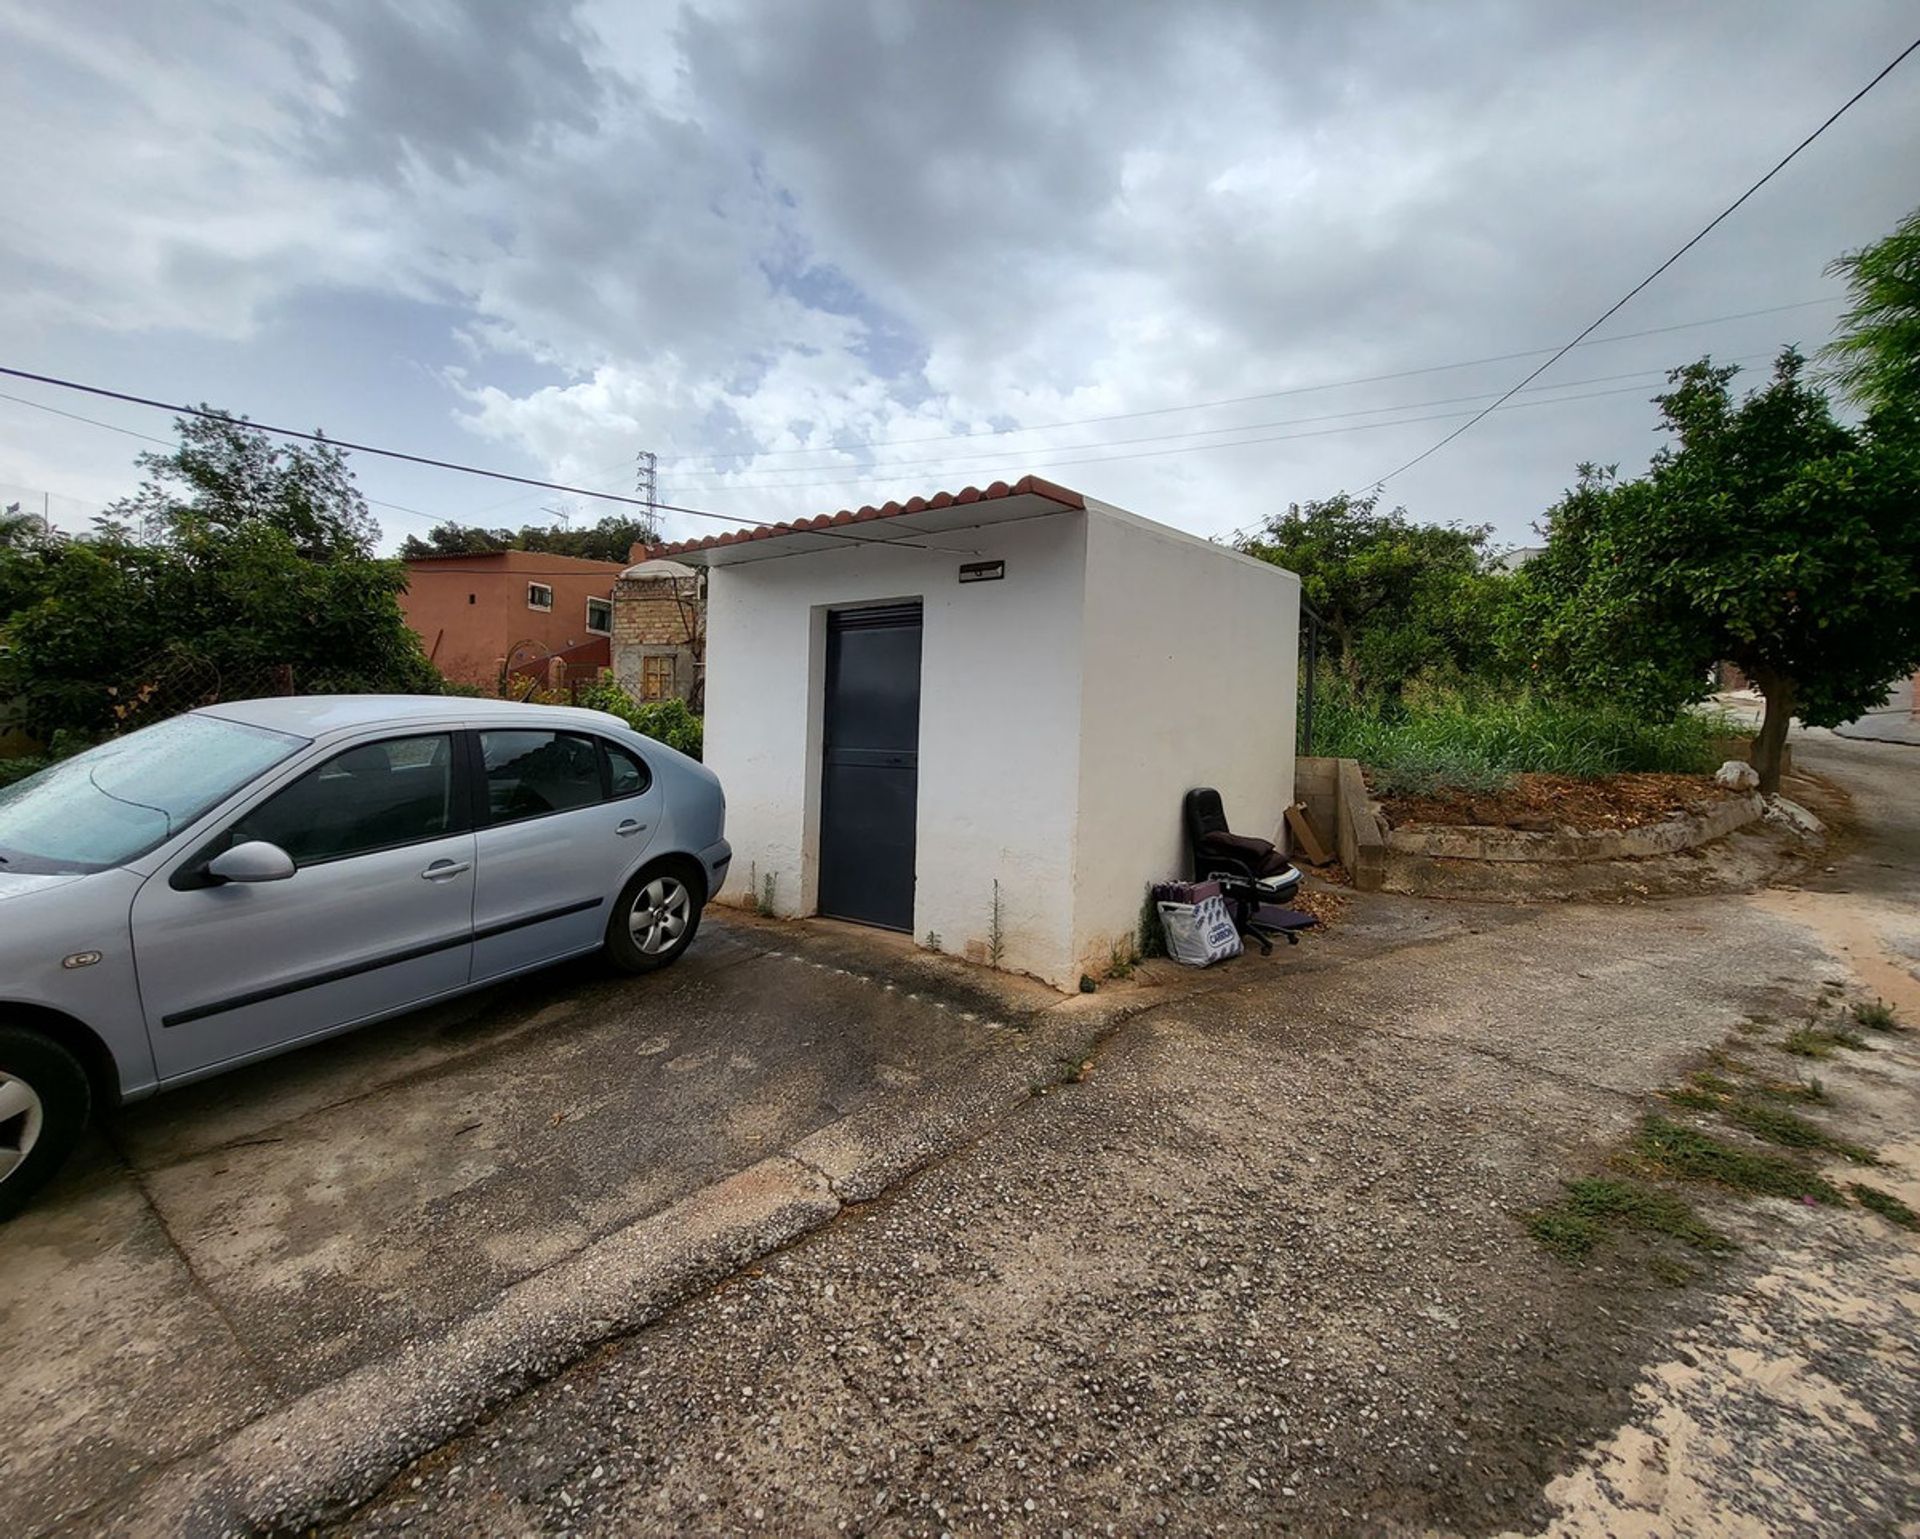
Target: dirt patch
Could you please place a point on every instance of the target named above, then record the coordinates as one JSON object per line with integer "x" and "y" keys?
{"x": 1537, "y": 803}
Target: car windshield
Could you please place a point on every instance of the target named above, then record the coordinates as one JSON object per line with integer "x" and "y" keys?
{"x": 117, "y": 801}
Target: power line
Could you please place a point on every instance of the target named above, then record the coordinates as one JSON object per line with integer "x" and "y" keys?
{"x": 1620, "y": 304}
{"x": 168, "y": 443}
{"x": 880, "y": 467}
{"x": 210, "y": 415}
{"x": 1242, "y": 400}
{"x": 1042, "y": 465}
{"x": 1160, "y": 411}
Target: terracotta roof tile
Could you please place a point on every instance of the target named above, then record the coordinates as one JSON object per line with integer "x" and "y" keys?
{"x": 1026, "y": 485}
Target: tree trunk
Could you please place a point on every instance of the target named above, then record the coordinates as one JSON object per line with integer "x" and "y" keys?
{"x": 1772, "y": 741}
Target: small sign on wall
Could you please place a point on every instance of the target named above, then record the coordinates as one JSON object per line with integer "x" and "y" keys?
{"x": 982, "y": 571}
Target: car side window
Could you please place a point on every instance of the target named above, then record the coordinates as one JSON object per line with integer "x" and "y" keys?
{"x": 370, "y": 797}
{"x": 626, "y": 774}
{"x": 530, "y": 774}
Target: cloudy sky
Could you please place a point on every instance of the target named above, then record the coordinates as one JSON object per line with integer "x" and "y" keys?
{"x": 1199, "y": 259}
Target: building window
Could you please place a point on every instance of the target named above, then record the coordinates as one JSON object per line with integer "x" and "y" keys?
{"x": 657, "y": 677}
{"x": 539, "y": 596}
{"x": 599, "y": 617}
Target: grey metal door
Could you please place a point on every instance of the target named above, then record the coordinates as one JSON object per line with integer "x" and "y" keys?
{"x": 870, "y": 774}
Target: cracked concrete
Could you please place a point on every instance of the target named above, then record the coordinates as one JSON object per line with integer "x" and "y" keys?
{"x": 1262, "y": 1271}
{"x": 870, "y": 1250}
{"x": 374, "y": 1217}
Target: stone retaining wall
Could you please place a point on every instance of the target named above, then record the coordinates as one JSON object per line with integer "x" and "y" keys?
{"x": 1666, "y": 837}
{"x": 1487, "y": 862}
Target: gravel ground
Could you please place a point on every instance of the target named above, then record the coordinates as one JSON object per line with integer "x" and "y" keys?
{"x": 1260, "y": 1270}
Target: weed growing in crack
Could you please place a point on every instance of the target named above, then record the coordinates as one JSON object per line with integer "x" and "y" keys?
{"x": 996, "y": 928}
{"x": 1566, "y": 1235}
{"x": 1665, "y": 1148}
{"x": 1572, "y": 1227}
{"x": 1740, "y": 1106}
{"x": 1777, "y": 1125}
{"x": 1876, "y": 1015}
{"x": 1152, "y": 939}
{"x": 1820, "y": 1041}
{"x": 1888, "y": 1206}
{"x": 763, "y": 900}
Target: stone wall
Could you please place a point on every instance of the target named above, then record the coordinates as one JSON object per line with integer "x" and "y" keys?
{"x": 652, "y": 618}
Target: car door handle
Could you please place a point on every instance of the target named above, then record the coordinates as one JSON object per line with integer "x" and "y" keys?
{"x": 629, "y": 828}
{"x": 446, "y": 870}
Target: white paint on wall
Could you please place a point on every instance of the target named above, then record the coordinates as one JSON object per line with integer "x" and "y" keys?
{"x": 999, "y": 723}
{"x": 1064, "y": 711}
{"x": 1191, "y": 667}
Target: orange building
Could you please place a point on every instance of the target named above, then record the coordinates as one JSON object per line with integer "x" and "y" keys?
{"x": 479, "y": 616}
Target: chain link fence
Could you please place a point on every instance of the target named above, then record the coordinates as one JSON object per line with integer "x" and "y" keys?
{"x": 178, "y": 680}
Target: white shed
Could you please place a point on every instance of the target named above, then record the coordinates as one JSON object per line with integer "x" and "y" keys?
{"x": 908, "y": 704}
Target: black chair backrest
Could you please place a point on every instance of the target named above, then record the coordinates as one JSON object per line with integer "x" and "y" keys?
{"x": 1204, "y": 814}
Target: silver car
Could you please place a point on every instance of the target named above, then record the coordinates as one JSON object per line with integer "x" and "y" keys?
{"x": 248, "y": 877}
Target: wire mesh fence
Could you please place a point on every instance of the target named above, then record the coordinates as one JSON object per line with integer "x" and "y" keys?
{"x": 178, "y": 680}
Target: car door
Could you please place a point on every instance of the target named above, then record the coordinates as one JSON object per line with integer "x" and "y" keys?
{"x": 563, "y": 817}
{"x": 377, "y": 916}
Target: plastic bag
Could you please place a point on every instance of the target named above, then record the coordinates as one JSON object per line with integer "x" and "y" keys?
{"x": 1202, "y": 932}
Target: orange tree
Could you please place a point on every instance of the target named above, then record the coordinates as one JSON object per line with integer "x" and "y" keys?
{"x": 1768, "y": 534}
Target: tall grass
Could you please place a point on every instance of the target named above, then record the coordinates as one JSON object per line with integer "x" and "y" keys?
{"x": 1478, "y": 738}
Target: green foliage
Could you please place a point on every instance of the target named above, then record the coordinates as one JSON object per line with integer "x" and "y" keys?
{"x": 1666, "y": 1148}
{"x": 1876, "y": 357}
{"x": 1876, "y": 1015}
{"x": 257, "y": 557}
{"x": 1777, "y": 1125}
{"x": 1888, "y": 1206}
{"x": 1820, "y": 1041}
{"x": 1150, "y": 940}
{"x": 1476, "y": 738}
{"x": 665, "y": 721}
{"x": 1572, "y": 1227}
{"x": 611, "y": 539}
{"x": 1768, "y": 535}
{"x": 1396, "y": 598}
{"x": 63, "y": 746}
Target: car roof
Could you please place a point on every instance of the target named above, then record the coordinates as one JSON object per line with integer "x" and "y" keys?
{"x": 318, "y": 715}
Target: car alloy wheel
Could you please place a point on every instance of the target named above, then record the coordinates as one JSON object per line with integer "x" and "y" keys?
{"x": 21, "y": 1118}
{"x": 659, "y": 915}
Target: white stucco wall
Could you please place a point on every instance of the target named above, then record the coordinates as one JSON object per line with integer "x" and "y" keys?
{"x": 1190, "y": 676}
{"x": 1000, "y": 722}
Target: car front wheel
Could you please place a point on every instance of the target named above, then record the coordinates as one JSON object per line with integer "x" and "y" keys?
{"x": 44, "y": 1101}
{"x": 654, "y": 918}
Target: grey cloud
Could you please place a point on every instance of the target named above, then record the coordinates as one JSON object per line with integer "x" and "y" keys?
{"x": 448, "y": 87}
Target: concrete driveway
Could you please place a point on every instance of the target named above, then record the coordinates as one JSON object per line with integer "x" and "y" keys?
{"x": 1262, "y": 1269}
{"x": 225, "y": 1250}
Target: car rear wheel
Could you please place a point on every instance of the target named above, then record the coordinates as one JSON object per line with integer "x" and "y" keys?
{"x": 655, "y": 918}
{"x": 44, "y": 1101}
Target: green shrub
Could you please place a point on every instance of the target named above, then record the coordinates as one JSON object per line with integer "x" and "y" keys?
{"x": 665, "y": 721}
{"x": 19, "y": 768}
{"x": 1478, "y": 737}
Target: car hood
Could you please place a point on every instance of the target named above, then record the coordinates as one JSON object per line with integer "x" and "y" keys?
{"x": 19, "y": 884}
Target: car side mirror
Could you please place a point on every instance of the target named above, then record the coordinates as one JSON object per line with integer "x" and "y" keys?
{"x": 254, "y": 861}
